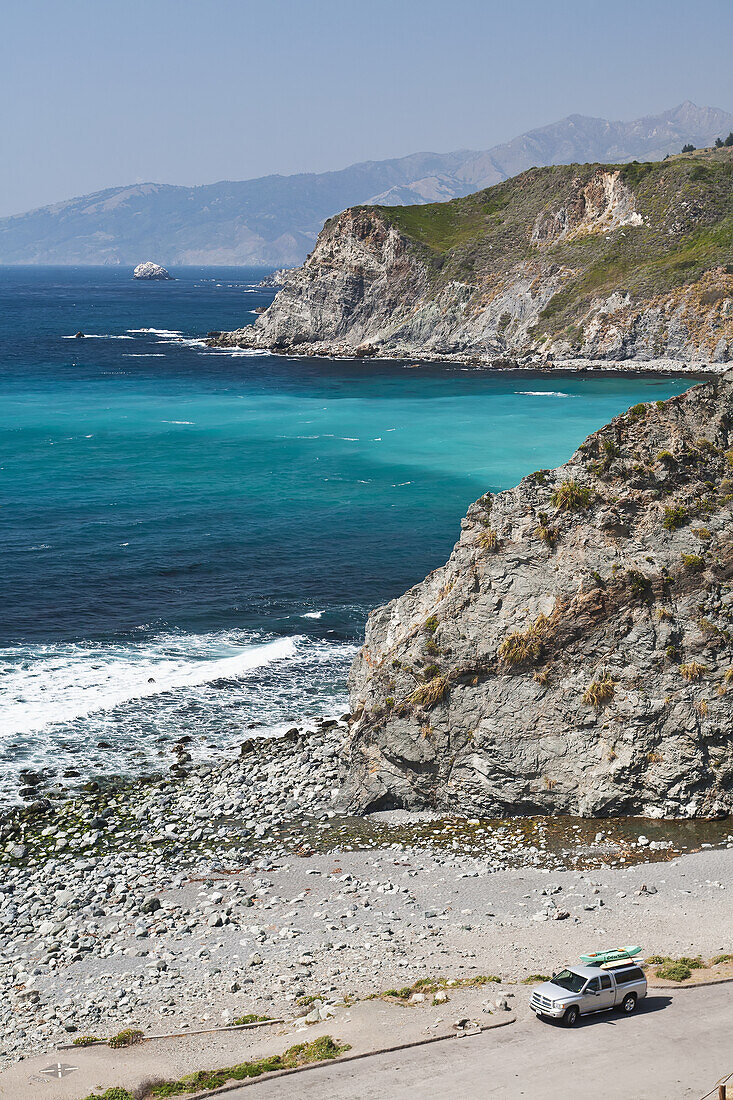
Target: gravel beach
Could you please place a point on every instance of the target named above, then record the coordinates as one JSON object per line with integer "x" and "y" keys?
{"x": 238, "y": 888}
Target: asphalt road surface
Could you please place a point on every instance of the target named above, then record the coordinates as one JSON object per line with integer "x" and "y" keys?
{"x": 673, "y": 1048}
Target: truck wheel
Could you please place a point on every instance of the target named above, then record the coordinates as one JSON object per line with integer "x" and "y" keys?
{"x": 629, "y": 1003}
{"x": 570, "y": 1018}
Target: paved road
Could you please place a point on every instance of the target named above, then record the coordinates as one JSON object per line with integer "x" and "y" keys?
{"x": 674, "y": 1048}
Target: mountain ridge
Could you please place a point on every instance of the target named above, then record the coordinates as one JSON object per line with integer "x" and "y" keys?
{"x": 274, "y": 220}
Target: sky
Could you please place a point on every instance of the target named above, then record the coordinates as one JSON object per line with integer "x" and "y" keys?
{"x": 100, "y": 93}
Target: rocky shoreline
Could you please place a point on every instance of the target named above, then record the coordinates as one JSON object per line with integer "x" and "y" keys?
{"x": 239, "y": 888}
{"x": 244, "y": 339}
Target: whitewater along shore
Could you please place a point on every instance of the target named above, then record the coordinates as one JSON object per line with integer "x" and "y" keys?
{"x": 190, "y": 901}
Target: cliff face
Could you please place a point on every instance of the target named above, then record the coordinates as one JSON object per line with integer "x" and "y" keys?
{"x": 575, "y": 654}
{"x": 573, "y": 262}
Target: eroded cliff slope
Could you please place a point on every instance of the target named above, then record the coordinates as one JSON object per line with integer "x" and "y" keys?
{"x": 575, "y": 654}
{"x": 585, "y": 261}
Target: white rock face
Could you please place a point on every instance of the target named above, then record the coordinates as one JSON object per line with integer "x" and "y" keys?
{"x": 150, "y": 270}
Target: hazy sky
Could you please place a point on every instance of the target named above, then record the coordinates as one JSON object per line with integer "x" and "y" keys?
{"x": 97, "y": 93}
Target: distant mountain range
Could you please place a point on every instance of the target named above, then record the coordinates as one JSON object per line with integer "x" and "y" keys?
{"x": 274, "y": 220}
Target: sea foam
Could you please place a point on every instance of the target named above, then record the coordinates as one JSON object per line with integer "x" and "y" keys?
{"x": 44, "y": 686}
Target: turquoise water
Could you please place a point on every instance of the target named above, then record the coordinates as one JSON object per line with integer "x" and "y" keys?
{"x": 192, "y": 538}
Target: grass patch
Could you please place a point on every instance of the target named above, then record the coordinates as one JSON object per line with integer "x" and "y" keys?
{"x": 536, "y": 978}
{"x": 251, "y": 1018}
{"x": 692, "y": 671}
{"x": 675, "y": 516}
{"x": 599, "y": 691}
{"x": 522, "y": 646}
{"x": 489, "y": 540}
{"x": 430, "y": 694}
{"x": 666, "y": 458}
{"x": 675, "y": 970}
{"x": 129, "y": 1037}
{"x": 115, "y": 1093}
{"x": 572, "y": 497}
{"x": 322, "y": 1049}
{"x": 693, "y": 563}
{"x": 433, "y": 985}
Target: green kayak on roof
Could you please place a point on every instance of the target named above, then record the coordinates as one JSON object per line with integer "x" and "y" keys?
{"x": 616, "y": 954}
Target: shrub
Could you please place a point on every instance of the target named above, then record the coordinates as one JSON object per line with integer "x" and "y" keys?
{"x": 86, "y": 1040}
{"x": 431, "y": 624}
{"x": 721, "y": 959}
{"x": 666, "y": 458}
{"x": 536, "y": 978}
{"x": 545, "y": 531}
{"x": 250, "y": 1018}
{"x": 675, "y": 515}
{"x": 693, "y": 563}
{"x": 599, "y": 691}
{"x": 572, "y": 497}
{"x": 692, "y": 671}
{"x": 637, "y": 411}
{"x": 638, "y": 583}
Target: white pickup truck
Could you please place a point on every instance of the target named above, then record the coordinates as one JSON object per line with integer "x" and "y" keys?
{"x": 579, "y": 990}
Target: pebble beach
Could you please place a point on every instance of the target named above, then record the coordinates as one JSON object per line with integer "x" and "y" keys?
{"x": 236, "y": 887}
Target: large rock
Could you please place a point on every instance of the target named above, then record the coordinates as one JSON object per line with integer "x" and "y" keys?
{"x": 150, "y": 270}
{"x": 575, "y": 654}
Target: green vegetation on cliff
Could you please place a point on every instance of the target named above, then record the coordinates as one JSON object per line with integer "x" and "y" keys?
{"x": 642, "y": 229}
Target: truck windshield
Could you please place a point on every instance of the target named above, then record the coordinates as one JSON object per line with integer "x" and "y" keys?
{"x": 566, "y": 979}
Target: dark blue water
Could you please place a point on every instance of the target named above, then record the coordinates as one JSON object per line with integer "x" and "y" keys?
{"x": 216, "y": 523}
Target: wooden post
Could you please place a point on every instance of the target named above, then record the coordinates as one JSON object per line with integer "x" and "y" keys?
{"x": 722, "y": 1090}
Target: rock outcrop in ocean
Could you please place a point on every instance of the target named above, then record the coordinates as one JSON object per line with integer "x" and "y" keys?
{"x": 152, "y": 271}
{"x": 575, "y": 654}
{"x": 579, "y": 262}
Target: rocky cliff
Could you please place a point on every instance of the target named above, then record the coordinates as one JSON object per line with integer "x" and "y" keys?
{"x": 575, "y": 654}
{"x": 577, "y": 262}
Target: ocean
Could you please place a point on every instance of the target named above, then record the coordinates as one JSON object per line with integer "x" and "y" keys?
{"x": 192, "y": 538}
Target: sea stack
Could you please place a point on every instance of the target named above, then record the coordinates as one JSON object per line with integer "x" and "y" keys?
{"x": 151, "y": 271}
